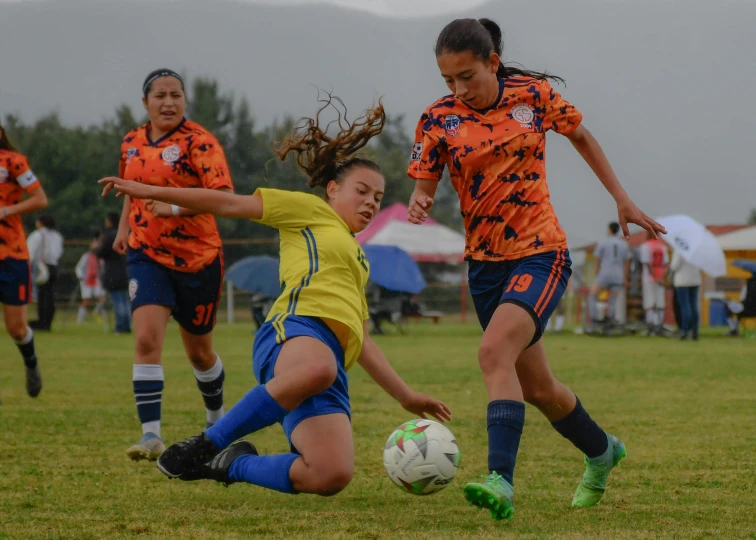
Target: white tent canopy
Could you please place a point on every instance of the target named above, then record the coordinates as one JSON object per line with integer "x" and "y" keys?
{"x": 430, "y": 242}
{"x": 740, "y": 240}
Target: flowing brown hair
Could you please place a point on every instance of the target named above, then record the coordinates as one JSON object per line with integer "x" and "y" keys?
{"x": 324, "y": 157}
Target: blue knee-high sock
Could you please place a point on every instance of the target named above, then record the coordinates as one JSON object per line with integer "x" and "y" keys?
{"x": 253, "y": 412}
{"x": 505, "y": 421}
{"x": 270, "y": 472}
{"x": 581, "y": 430}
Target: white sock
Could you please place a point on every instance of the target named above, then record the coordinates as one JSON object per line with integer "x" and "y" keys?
{"x": 734, "y": 323}
{"x": 82, "y": 316}
{"x": 30, "y": 336}
{"x": 559, "y": 323}
{"x": 151, "y": 427}
{"x": 548, "y": 326}
{"x": 148, "y": 382}
{"x": 660, "y": 317}
{"x": 210, "y": 383}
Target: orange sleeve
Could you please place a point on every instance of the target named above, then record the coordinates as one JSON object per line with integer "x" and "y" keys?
{"x": 121, "y": 164}
{"x": 561, "y": 116}
{"x": 429, "y": 155}
{"x": 23, "y": 175}
{"x": 209, "y": 161}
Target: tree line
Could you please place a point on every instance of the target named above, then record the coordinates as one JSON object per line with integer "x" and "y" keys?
{"x": 70, "y": 159}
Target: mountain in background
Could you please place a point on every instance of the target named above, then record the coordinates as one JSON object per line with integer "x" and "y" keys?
{"x": 665, "y": 86}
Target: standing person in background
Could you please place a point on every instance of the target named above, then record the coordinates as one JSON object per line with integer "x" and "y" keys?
{"x": 88, "y": 273}
{"x": 686, "y": 280}
{"x": 45, "y": 248}
{"x": 114, "y": 277}
{"x": 612, "y": 271}
{"x": 17, "y": 179}
{"x": 655, "y": 260}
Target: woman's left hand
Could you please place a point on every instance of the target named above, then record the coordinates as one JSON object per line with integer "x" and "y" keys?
{"x": 422, "y": 405}
{"x": 627, "y": 212}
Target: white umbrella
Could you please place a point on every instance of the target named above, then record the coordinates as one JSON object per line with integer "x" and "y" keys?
{"x": 695, "y": 243}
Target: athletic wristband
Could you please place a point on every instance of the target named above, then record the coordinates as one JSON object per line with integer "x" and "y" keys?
{"x": 175, "y": 210}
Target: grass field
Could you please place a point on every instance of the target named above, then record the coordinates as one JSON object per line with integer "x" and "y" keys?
{"x": 685, "y": 410}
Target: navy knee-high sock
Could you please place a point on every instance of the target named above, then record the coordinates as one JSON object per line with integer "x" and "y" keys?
{"x": 505, "y": 421}
{"x": 579, "y": 428}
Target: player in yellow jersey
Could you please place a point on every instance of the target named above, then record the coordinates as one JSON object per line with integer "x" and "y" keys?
{"x": 316, "y": 329}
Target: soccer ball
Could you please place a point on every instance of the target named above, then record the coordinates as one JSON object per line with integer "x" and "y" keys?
{"x": 421, "y": 457}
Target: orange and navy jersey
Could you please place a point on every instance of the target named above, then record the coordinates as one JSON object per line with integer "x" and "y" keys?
{"x": 496, "y": 161}
{"x": 187, "y": 157}
{"x": 15, "y": 178}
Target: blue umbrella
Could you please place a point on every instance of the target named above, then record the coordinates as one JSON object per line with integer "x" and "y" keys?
{"x": 748, "y": 266}
{"x": 394, "y": 269}
{"x": 256, "y": 274}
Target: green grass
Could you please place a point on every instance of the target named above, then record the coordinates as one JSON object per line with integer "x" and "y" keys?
{"x": 685, "y": 411}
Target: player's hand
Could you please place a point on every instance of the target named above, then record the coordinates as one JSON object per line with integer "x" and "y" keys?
{"x": 627, "y": 212}
{"x": 135, "y": 190}
{"x": 121, "y": 242}
{"x": 419, "y": 206}
{"x": 159, "y": 209}
{"x": 423, "y": 405}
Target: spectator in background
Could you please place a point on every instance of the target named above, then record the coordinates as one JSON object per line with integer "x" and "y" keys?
{"x": 686, "y": 280}
{"x": 612, "y": 271}
{"x": 45, "y": 249}
{"x": 88, "y": 274}
{"x": 655, "y": 260}
{"x": 114, "y": 277}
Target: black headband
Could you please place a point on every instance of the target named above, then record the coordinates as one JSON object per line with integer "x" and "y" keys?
{"x": 166, "y": 73}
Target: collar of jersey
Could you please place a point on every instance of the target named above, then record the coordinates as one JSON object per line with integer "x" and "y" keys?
{"x": 164, "y": 137}
{"x": 496, "y": 102}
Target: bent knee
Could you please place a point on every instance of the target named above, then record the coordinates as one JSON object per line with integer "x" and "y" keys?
{"x": 16, "y": 329}
{"x": 320, "y": 375}
{"x": 333, "y": 481}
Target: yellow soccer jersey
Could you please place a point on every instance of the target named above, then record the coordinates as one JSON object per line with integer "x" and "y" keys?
{"x": 323, "y": 270}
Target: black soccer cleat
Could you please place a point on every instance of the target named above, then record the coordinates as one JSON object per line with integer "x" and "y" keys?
{"x": 218, "y": 468}
{"x": 187, "y": 455}
{"x": 33, "y": 381}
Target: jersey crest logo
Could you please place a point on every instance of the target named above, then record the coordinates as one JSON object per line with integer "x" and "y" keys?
{"x": 451, "y": 124}
{"x": 523, "y": 114}
{"x": 3, "y": 175}
{"x": 171, "y": 154}
{"x": 417, "y": 151}
{"x": 130, "y": 153}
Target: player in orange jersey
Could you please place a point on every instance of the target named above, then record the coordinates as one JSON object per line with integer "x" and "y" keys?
{"x": 490, "y": 133}
{"x": 16, "y": 178}
{"x": 175, "y": 261}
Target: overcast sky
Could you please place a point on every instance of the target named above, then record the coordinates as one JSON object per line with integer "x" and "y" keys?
{"x": 386, "y": 8}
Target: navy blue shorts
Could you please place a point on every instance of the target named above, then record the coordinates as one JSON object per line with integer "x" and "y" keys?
{"x": 268, "y": 343}
{"x": 535, "y": 283}
{"x": 192, "y": 296}
{"x": 15, "y": 282}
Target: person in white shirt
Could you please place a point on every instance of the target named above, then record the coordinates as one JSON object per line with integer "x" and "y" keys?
{"x": 686, "y": 280}
{"x": 45, "y": 250}
{"x": 655, "y": 261}
{"x": 88, "y": 274}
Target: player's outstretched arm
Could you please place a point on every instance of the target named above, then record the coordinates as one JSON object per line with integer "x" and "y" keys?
{"x": 589, "y": 148}
{"x": 372, "y": 360}
{"x": 204, "y": 201}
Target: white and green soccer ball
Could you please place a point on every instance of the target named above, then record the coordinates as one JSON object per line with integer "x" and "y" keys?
{"x": 421, "y": 457}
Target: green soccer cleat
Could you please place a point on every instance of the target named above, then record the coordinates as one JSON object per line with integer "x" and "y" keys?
{"x": 495, "y": 494}
{"x": 593, "y": 485}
